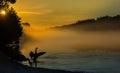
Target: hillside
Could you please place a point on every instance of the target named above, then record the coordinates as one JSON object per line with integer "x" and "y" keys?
{"x": 106, "y": 23}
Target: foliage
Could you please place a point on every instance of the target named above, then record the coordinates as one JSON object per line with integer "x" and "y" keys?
{"x": 10, "y": 31}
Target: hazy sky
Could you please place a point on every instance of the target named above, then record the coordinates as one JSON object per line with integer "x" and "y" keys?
{"x": 43, "y": 13}
{"x": 58, "y": 12}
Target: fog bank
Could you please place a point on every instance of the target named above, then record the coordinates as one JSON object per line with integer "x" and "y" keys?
{"x": 70, "y": 41}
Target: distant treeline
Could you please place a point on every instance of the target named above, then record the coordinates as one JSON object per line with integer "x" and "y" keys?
{"x": 100, "y": 23}
{"x": 105, "y": 18}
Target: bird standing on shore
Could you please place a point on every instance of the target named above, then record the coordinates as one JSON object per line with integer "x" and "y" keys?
{"x": 34, "y": 56}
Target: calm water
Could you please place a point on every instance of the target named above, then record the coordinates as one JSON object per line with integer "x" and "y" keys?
{"x": 64, "y": 50}
{"x": 91, "y": 61}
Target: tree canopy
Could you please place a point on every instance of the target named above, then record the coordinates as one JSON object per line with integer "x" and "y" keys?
{"x": 10, "y": 31}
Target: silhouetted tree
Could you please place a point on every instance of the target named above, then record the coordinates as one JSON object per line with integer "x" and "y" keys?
{"x": 104, "y": 18}
{"x": 10, "y": 31}
{"x": 85, "y": 21}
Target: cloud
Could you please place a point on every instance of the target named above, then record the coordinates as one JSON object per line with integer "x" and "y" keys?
{"x": 35, "y": 13}
{"x": 27, "y": 12}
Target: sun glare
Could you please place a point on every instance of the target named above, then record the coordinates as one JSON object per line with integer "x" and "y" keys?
{"x": 3, "y": 12}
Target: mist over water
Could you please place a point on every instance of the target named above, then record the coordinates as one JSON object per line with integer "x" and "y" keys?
{"x": 67, "y": 41}
{"x": 71, "y": 50}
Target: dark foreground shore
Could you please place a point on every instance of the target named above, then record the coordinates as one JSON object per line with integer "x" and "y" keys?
{"x": 44, "y": 70}
{"x": 7, "y": 66}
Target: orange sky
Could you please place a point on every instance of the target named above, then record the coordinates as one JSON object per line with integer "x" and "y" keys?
{"x": 40, "y": 13}
{"x": 45, "y": 13}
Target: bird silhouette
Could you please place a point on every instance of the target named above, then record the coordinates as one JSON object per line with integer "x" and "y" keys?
{"x": 31, "y": 54}
{"x": 34, "y": 56}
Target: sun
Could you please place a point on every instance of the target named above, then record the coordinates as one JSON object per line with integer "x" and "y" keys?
{"x": 3, "y": 12}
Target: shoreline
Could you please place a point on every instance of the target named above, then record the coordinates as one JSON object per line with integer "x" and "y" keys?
{"x": 7, "y": 66}
{"x": 47, "y": 70}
